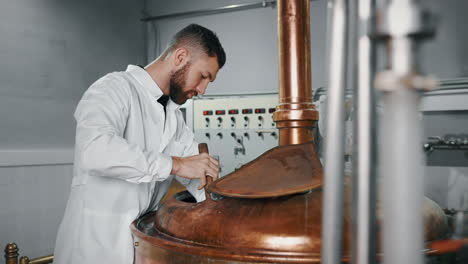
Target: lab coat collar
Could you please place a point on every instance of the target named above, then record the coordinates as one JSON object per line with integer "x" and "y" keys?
{"x": 145, "y": 80}
{"x": 171, "y": 105}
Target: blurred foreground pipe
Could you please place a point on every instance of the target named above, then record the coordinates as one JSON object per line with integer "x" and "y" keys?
{"x": 401, "y": 157}
{"x": 364, "y": 151}
{"x": 332, "y": 219}
{"x": 403, "y": 26}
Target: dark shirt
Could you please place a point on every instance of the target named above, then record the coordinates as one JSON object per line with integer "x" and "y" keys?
{"x": 163, "y": 99}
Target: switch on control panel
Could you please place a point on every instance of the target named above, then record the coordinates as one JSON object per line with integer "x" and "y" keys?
{"x": 233, "y": 121}
{"x": 260, "y": 121}
{"x": 246, "y": 121}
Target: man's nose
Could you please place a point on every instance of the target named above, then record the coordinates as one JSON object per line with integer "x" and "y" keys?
{"x": 201, "y": 88}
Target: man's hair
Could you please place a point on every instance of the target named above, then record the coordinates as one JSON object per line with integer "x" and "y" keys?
{"x": 198, "y": 37}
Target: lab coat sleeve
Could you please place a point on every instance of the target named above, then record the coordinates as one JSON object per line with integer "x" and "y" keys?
{"x": 101, "y": 118}
{"x": 190, "y": 150}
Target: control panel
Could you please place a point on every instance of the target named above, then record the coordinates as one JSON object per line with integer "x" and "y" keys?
{"x": 237, "y": 128}
{"x": 242, "y": 113}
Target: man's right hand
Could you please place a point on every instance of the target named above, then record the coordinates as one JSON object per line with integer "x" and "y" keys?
{"x": 196, "y": 167}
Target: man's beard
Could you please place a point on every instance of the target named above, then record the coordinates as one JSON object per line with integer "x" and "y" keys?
{"x": 176, "y": 84}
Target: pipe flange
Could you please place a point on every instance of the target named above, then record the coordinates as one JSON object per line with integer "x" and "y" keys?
{"x": 388, "y": 81}
{"x": 295, "y": 124}
{"x": 296, "y": 115}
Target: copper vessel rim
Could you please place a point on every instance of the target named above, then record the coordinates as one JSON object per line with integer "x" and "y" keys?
{"x": 167, "y": 242}
{"x": 266, "y": 195}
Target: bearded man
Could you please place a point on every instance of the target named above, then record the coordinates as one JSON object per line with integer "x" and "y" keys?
{"x": 131, "y": 141}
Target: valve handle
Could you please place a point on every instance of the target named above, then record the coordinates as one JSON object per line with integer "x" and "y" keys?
{"x": 203, "y": 148}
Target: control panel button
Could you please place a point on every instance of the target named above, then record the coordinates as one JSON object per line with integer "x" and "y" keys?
{"x": 260, "y": 121}
{"x": 220, "y": 121}
{"x": 246, "y": 121}
{"x": 233, "y": 121}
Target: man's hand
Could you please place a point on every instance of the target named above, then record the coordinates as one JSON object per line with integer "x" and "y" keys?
{"x": 196, "y": 167}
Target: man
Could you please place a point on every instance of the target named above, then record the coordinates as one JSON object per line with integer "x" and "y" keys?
{"x": 131, "y": 140}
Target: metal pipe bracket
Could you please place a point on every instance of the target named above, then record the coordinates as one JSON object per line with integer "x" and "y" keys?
{"x": 389, "y": 81}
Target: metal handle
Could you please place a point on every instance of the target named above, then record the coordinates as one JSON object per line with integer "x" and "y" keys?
{"x": 203, "y": 148}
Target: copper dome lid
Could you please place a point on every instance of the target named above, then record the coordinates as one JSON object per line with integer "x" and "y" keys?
{"x": 283, "y": 170}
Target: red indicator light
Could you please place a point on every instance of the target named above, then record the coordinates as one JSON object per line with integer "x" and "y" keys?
{"x": 207, "y": 112}
{"x": 220, "y": 112}
{"x": 233, "y": 111}
{"x": 271, "y": 110}
{"x": 260, "y": 110}
{"x": 246, "y": 111}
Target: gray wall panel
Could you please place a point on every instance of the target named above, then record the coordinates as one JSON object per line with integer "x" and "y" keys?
{"x": 50, "y": 52}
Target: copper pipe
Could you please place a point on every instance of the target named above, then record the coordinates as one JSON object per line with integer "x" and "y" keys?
{"x": 42, "y": 260}
{"x": 295, "y": 114}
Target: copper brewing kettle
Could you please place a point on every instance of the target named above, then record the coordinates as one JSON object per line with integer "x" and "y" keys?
{"x": 247, "y": 224}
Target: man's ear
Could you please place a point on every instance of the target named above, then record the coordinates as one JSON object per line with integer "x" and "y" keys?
{"x": 181, "y": 56}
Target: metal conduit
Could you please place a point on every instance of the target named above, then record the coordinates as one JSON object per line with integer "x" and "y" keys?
{"x": 403, "y": 28}
{"x": 364, "y": 175}
{"x": 332, "y": 218}
{"x": 213, "y": 11}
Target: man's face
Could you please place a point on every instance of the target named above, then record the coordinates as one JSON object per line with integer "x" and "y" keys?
{"x": 192, "y": 78}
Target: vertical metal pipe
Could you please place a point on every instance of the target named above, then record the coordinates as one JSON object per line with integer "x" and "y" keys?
{"x": 295, "y": 115}
{"x": 401, "y": 158}
{"x": 332, "y": 219}
{"x": 364, "y": 174}
{"x": 402, "y": 178}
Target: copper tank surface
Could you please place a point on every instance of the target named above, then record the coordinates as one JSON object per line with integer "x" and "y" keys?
{"x": 270, "y": 210}
{"x": 276, "y": 230}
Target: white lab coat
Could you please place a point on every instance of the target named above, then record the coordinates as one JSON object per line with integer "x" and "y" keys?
{"x": 124, "y": 144}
